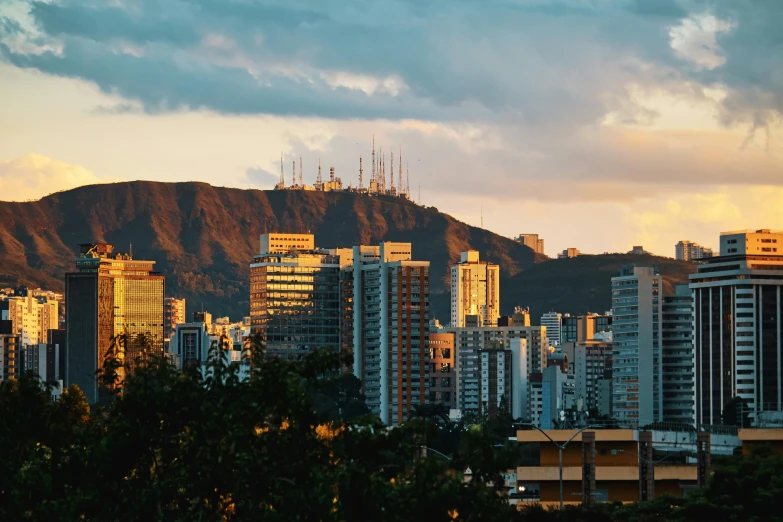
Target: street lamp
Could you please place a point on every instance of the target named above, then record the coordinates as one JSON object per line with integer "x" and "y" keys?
{"x": 560, "y": 448}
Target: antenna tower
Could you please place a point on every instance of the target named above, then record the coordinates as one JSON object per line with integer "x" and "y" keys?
{"x": 361, "y": 172}
{"x": 372, "y": 178}
{"x": 300, "y": 173}
{"x": 408, "y": 181}
{"x": 391, "y": 178}
{"x": 400, "y": 185}
{"x": 293, "y": 183}
{"x": 318, "y": 182}
{"x": 331, "y": 174}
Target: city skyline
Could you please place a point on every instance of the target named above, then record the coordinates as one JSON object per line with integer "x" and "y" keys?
{"x": 658, "y": 120}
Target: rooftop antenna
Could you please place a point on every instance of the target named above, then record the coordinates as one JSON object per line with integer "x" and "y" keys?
{"x": 373, "y": 160}
{"x": 399, "y": 185}
{"x": 331, "y": 174}
{"x": 361, "y": 172}
{"x": 282, "y": 174}
{"x": 300, "y": 172}
{"x": 131, "y": 250}
{"x": 318, "y": 182}
{"x": 293, "y": 183}
{"x": 408, "y": 181}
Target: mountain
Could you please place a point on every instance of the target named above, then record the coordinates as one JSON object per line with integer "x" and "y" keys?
{"x": 204, "y": 237}
{"x": 581, "y": 284}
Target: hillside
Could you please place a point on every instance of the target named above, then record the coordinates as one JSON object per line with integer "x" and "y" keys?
{"x": 204, "y": 237}
{"x": 581, "y": 284}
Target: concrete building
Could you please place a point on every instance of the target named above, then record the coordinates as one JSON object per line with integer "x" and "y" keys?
{"x": 520, "y": 317}
{"x": 616, "y": 466}
{"x": 443, "y": 370}
{"x": 738, "y": 325}
{"x": 577, "y": 328}
{"x": 532, "y": 241}
{"x": 592, "y": 362}
{"x": 496, "y": 381}
{"x": 475, "y": 290}
{"x": 568, "y": 253}
{"x": 689, "y": 251}
{"x": 547, "y": 396}
{"x": 391, "y": 329}
{"x": 285, "y": 243}
{"x": 603, "y": 395}
{"x": 30, "y": 317}
{"x": 111, "y": 297}
{"x": 552, "y": 320}
{"x": 174, "y": 314}
{"x": 677, "y": 349}
{"x": 295, "y": 297}
{"x": 469, "y": 342}
{"x": 636, "y": 356}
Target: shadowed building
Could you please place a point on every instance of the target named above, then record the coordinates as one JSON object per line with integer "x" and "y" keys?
{"x": 110, "y": 295}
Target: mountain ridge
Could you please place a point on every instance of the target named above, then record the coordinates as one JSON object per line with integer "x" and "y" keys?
{"x": 203, "y": 237}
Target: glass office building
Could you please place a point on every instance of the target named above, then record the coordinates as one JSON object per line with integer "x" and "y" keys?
{"x": 113, "y": 301}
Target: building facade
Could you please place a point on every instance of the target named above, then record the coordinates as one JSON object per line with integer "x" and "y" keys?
{"x": 689, "y": 251}
{"x": 114, "y": 302}
{"x": 470, "y": 342}
{"x": 592, "y": 362}
{"x": 568, "y": 253}
{"x": 577, "y": 328}
{"x": 532, "y": 241}
{"x": 295, "y": 296}
{"x": 738, "y": 326}
{"x": 174, "y": 314}
{"x": 30, "y": 317}
{"x": 636, "y": 355}
{"x": 677, "y": 352}
{"x": 475, "y": 290}
{"x": 495, "y": 385}
{"x": 551, "y": 321}
{"x": 443, "y": 370}
{"x": 391, "y": 329}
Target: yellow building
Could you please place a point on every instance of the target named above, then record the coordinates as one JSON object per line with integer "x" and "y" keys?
{"x": 756, "y": 437}
{"x": 616, "y": 468}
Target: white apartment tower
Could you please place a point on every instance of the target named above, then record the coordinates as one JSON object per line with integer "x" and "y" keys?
{"x": 636, "y": 354}
{"x": 475, "y": 290}
{"x": 738, "y": 326}
{"x": 689, "y": 251}
{"x": 30, "y": 318}
{"x": 552, "y": 321}
{"x": 391, "y": 329}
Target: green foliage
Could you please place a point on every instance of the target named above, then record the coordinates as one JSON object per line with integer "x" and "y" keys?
{"x": 291, "y": 442}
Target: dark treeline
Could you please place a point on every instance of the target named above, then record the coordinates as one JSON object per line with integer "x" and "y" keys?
{"x": 287, "y": 444}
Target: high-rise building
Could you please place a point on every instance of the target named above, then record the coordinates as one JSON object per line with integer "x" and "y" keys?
{"x": 738, "y": 326}
{"x": 30, "y": 317}
{"x": 443, "y": 370}
{"x": 636, "y": 356}
{"x": 496, "y": 377}
{"x": 547, "y": 397}
{"x": 391, "y": 328}
{"x": 552, "y": 320}
{"x": 677, "y": 350}
{"x": 532, "y": 241}
{"x": 295, "y": 298}
{"x": 592, "y": 361}
{"x": 469, "y": 342}
{"x": 174, "y": 314}
{"x": 111, "y": 297}
{"x": 475, "y": 290}
{"x": 577, "y": 328}
{"x": 689, "y": 251}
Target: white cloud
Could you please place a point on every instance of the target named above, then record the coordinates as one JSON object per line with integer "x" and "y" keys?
{"x": 695, "y": 40}
{"x": 33, "y": 176}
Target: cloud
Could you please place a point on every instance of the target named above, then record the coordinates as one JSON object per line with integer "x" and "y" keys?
{"x": 33, "y": 176}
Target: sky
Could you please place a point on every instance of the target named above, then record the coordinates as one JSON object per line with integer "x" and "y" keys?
{"x": 598, "y": 124}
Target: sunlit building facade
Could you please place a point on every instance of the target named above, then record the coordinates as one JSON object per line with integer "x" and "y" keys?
{"x": 115, "y": 304}
{"x": 475, "y": 290}
{"x": 295, "y": 296}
